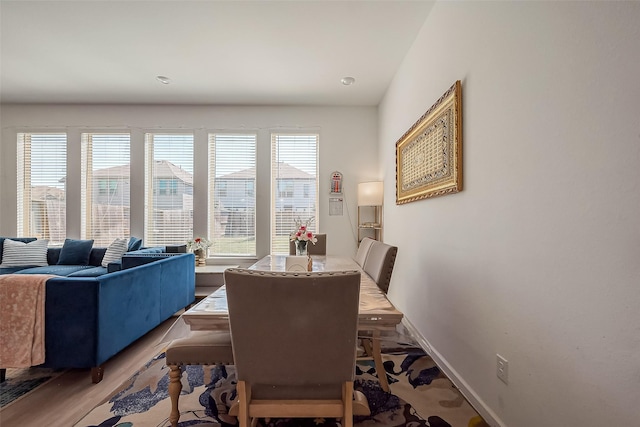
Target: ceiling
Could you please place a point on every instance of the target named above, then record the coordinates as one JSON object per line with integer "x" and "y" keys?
{"x": 215, "y": 52}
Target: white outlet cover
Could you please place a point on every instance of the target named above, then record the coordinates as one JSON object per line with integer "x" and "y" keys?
{"x": 502, "y": 369}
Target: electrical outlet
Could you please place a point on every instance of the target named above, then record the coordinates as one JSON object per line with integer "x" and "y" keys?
{"x": 502, "y": 369}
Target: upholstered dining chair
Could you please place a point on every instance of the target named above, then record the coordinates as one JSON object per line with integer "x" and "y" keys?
{"x": 294, "y": 337}
{"x": 320, "y": 247}
{"x": 363, "y": 251}
{"x": 378, "y": 264}
{"x": 198, "y": 348}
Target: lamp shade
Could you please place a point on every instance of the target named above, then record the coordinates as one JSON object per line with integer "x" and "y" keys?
{"x": 370, "y": 193}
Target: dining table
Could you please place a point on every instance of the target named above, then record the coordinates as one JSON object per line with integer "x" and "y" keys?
{"x": 376, "y": 313}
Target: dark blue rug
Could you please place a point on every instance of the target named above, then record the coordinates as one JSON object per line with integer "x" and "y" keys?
{"x": 20, "y": 382}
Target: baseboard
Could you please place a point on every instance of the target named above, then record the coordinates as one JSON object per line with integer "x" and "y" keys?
{"x": 472, "y": 397}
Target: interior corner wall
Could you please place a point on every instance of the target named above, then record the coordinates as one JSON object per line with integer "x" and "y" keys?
{"x": 348, "y": 138}
{"x": 538, "y": 258}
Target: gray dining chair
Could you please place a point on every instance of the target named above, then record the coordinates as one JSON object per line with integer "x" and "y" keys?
{"x": 198, "y": 348}
{"x": 294, "y": 337}
{"x": 363, "y": 251}
{"x": 378, "y": 263}
{"x": 320, "y": 248}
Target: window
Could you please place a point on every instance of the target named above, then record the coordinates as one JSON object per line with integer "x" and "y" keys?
{"x": 168, "y": 189}
{"x": 105, "y": 196}
{"x": 285, "y": 188}
{"x": 294, "y": 172}
{"x": 232, "y": 200}
{"x": 42, "y": 170}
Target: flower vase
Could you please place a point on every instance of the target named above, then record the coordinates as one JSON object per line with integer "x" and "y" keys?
{"x": 301, "y": 247}
{"x": 201, "y": 258}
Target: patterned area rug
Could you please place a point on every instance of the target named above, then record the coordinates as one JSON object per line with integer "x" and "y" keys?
{"x": 22, "y": 381}
{"x": 420, "y": 396}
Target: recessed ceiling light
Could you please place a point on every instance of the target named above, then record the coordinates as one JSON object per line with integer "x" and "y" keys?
{"x": 164, "y": 80}
{"x": 348, "y": 81}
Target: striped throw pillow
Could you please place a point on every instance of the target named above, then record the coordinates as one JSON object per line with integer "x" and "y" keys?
{"x": 20, "y": 254}
{"x": 115, "y": 251}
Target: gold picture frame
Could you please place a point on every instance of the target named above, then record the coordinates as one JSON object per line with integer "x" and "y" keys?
{"x": 429, "y": 154}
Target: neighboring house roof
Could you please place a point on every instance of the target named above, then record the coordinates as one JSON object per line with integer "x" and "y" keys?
{"x": 44, "y": 192}
{"x": 285, "y": 171}
{"x": 163, "y": 169}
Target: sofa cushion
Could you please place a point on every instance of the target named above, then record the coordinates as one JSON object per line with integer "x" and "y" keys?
{"x": 11, "y": 270}
{"x": 17, "y": 239}
{"x": 115, "y": 251}
{"x": 58, "y": 270}
{"x": 153, "y": 250}
{"x": 97, "y": 254}
{"x": 75, "y": 252}
{"x": 19, "y": 254}
{"x": 89, "y": 272}
{"x": 135, "y": 243}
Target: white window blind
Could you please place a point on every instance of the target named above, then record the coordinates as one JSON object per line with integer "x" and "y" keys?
{"x": 105, "y": 187}
{"x": 168, "y": 189}
{"x": 42, "y": 169}
{"x": 232, "y": 195}
{"x": 294, "y": 186}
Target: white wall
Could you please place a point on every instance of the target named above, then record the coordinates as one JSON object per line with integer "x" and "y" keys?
{"x": 538, "y": 258}
{"x": 348, "y": 137}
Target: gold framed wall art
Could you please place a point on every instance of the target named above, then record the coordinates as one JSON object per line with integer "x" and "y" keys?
{"x": 429, "y": 154}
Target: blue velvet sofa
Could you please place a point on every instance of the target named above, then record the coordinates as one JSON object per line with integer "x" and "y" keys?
{"x": 94, "y": 312}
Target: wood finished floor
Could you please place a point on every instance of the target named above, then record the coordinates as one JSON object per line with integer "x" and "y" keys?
{"x": 63, "y": 401}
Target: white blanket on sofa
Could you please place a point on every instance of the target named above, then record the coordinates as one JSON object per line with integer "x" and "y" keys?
{"x": 22, "y": 298}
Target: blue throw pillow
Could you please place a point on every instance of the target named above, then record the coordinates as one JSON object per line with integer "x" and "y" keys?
{"x": 135, "y": 243}
{"x": 75, "y": 252}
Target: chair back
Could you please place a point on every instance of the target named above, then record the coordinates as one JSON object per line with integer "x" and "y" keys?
{"x": 379, "y": 263}
{"x": 293, "y": 334}
{"x": 363, "y": 251}
{"x": 320, "y": 248}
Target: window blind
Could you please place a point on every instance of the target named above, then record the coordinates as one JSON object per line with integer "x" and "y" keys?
{"x": 105, "y": 190}
{"x": 168, "y": 189}
{"x": 232, "y": 194}
{"x": 41, "y": 182}
{"x": 294, "y": 186}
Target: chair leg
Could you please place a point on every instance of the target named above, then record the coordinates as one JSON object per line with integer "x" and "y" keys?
{"x": 347, "y": 403}
{"x": 175, "y": 387}
{"x": 244, "y": 397}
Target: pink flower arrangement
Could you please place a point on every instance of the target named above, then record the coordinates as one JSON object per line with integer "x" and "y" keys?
{"x": 302, "y": 233}
{"x": 198, "y": 243}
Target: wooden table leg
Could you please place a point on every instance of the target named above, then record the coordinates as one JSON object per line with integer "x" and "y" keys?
{"x": 377, "y": 358}
{"x": 175, "y": 387}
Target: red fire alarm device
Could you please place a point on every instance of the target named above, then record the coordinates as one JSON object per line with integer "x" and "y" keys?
{"x": 336, "y": 183}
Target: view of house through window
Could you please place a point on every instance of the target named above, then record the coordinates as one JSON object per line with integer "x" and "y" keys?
{"x": 168, "y": 189}
{"x": 232, "y": 198}
{"x": 42, "y": 169}
{"x": 105, "y": 187}
{"x": 294, "y": 186}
